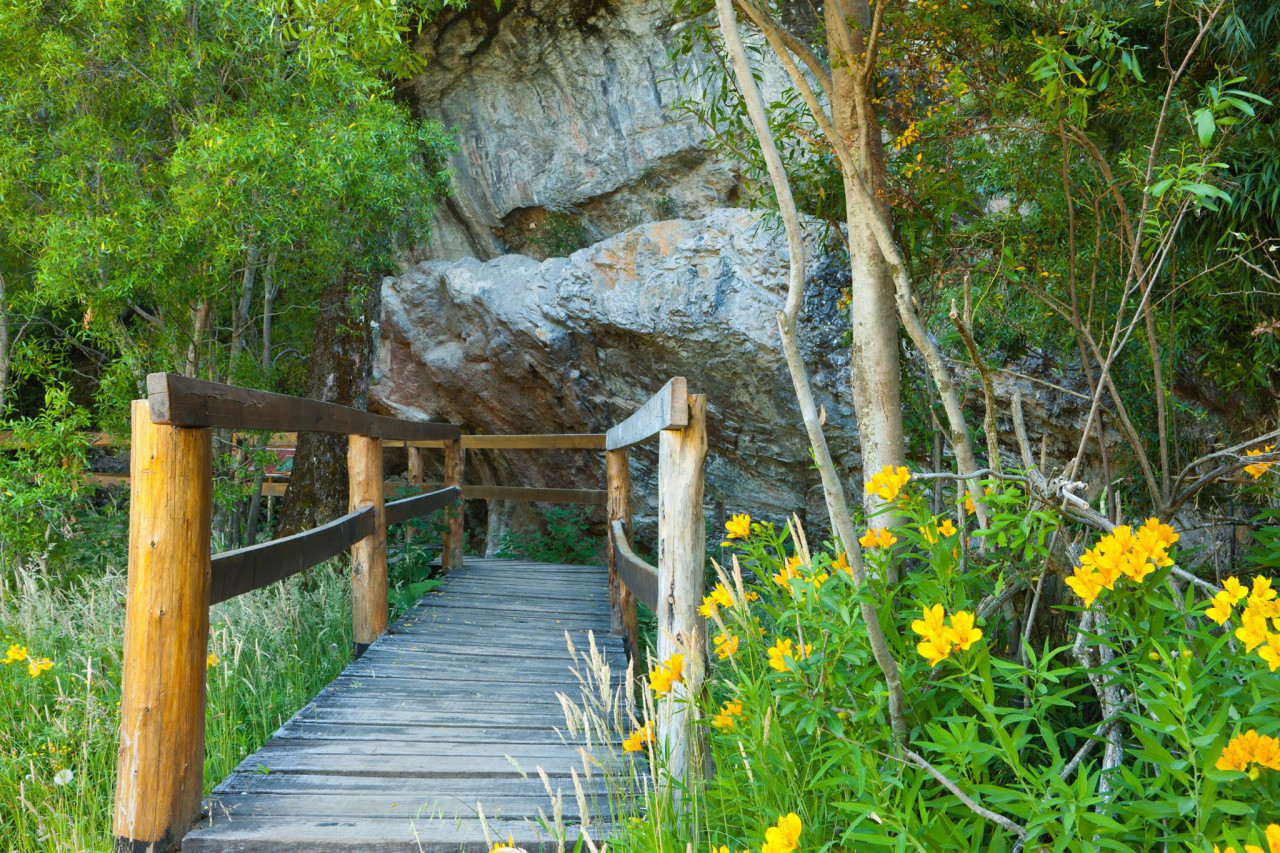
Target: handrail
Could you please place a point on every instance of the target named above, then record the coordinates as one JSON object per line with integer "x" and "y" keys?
{"x": 246, "y": 569}
{"x": 417, "y": 506}
{"x": 184, "y": 402}
{"x": 666, "y": 410}
{"x": 640, "y": 577}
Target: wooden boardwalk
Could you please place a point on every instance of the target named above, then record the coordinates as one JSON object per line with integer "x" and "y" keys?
{"x": 452, "y": 711}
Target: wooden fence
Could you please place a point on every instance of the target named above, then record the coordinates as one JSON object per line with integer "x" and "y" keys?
{"x": 173, "y": 579}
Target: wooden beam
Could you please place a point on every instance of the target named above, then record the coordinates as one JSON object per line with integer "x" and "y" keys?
{"x": 369, "y": 555}
{"x": 166, "y": 635}
{"x": 180, "y": 401}
{"x": 666, "y": 410}
{"x": 640, "y": 578}
{"x": 454, "y": 459}
{"x": 415, "y": 474}
{"x": 621, "y": 596}
{"x": 246, "y": 569}
{"x": 681, "y": 557}
{"x": 420, "y": 505}
{"x": 595, "y": 497}
{"x": 549, "y": 441}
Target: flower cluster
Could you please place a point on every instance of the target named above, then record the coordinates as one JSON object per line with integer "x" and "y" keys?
{"x": 724, "y": 719}
{"x": 1123, "y": 552}
{"x": 635, "y": 741}
{"x": 35, "y": 666}
{"x": 784, "y": 836}
{"x": 792, "y": 571}
{"x": 942, "y": 636}
{"x": 1257, "y": 469}
{"x": 946, "y": 529}
{"x": 781, "y": 651}
{"x": 1250, "y": 753}
{"x": 1262, "y": 605}
{"x": 212, "y": 661}
{"x": 877, "y": 537}
{"x": 1272, "y": 838}
{"x": 886, "y": 483}
{"x": 666, "y": 674}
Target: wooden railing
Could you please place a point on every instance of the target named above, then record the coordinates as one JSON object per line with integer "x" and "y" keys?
{"x": 673, "y": 589}
{"x": 173, "y": 579}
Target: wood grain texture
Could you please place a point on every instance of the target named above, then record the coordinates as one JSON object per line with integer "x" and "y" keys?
{"x": 161, "y": 757}
{"x": 544, "y": 441}
{"x": 617, "y": 477}
{"x": 454, "y": 461}
{"x": 180, "y": 401}
{"x": 415, "y": 474}
{"x": 369, "y": 555}
{"x": 666, "y": 410}
{"x": 591, "y": 497}
{"x": 246, "y": 569}
{"x": 433, "y": 723}
{"x": 639, "y": 578}
{"x": 681, "y": 552}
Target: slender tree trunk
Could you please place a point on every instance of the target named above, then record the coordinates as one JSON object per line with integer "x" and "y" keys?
{"x": 4, "y": 344}
{"x": 268, "y": 306}
{"x": 240, "y": 319}
{"x": 337, "y": 372}
{"x": 201, "y": 313}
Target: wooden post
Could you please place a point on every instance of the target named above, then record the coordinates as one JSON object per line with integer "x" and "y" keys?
{"x": 160, "y": 766}
{"x": 415, "y": 476}
{"x": 618, "y": 487}
{"x": 454, "y": 458}
{"x": 681, "y": 555}
{"x": 369, "y": 555}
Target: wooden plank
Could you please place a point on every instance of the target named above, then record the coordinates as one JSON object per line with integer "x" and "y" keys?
{"x": 454, "y": 464}
{"x": 369, "y": 583}
{"x": 237, "y": 572}
{"x": 461, "y": 804}
{"x": 594, "y": 497}
{"x": 420, "y": 505}
{"x": 543, "y": 441}
{"x": 640, "y": 577}
{"x": 182, "y": 401}
{"x": 666, "y": 410}
{"x": 325, "y": 783}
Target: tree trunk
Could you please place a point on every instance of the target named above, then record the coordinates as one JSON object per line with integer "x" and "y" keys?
{"x": 268, "y": 309}
{"x": 338, "y": 370}
{"x": 201, "y": 313}
{"x": 240, "y": 319}
{"x": 875, "y": 367}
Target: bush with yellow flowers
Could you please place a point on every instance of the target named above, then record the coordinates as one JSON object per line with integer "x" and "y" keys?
{"x": 1105, "y": 701}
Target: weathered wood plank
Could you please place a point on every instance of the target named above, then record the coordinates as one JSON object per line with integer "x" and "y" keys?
{"x": 639, "y": 577}
{"x": 181, "y": 401}
{"x": 420, "y": 505}
{"x": 665, "y": 410}
{"x": 544, "y": 441}
{"x": 245, "y": 569}
{"x": 590, "y": 497}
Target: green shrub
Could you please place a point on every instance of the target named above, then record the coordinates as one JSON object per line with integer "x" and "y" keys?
{"x": 565, "y": 539}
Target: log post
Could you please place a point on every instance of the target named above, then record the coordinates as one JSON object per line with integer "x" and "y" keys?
{"x": 369, "y": 555}
{"x": 415, "y": 477}
{"x": 160, "y": 767}
{"x": 681, "y": 555}
{"x": 618, "y": 486}
{"x": 454, "y": 458}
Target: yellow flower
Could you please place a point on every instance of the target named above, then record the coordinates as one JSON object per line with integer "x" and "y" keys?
{"x": 841, "y": 564}
{"x": 726, "y": 645}
{"x": 933, "y": 624}
{"x": 963, "y": 634}
{"x": 1238, "y": 591}
{"x": 784, "y": 836}
{"x": 888, "y": 482}
{"x": 35, "y": 666}
{"x": 724, "y": 719}
{"x": 1253, "y": 629}
{"x": 664, "y": 675}
{"x": 1271, "y": 652}
{"x": 16, "y": 653}
{"x": 738, "y": 527}
{"x": 968, "y": 500}
{"x": 946, "y": 528}
{"x": 508, "y": 846}
{"x": 718, "y": 597}
{"x": 1273, "y": 838}
{"x": 780, "y": 651}
{"x": 1220, "y": 610}
{"x": 785, "y": 575}
{"x": 1249, "y": 753}
{"x": 1261, "y": 592}
{"x": 635, "y": 741}
{"x": 878, "y": 537}
{"x": 212, "y": 661}
{"x": 1257, "y": 469}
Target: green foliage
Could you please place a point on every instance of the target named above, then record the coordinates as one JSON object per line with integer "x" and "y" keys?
{"x": 565, "y": 539}
{"x": 409, "y": 570}
{"x": 796, "y": 718}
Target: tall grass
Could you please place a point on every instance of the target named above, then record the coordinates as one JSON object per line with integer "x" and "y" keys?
{"x": 271, "y": 651}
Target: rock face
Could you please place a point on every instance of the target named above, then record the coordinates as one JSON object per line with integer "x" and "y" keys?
{"x": 567, "y": 124}
{"x": 576, "y": 344}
